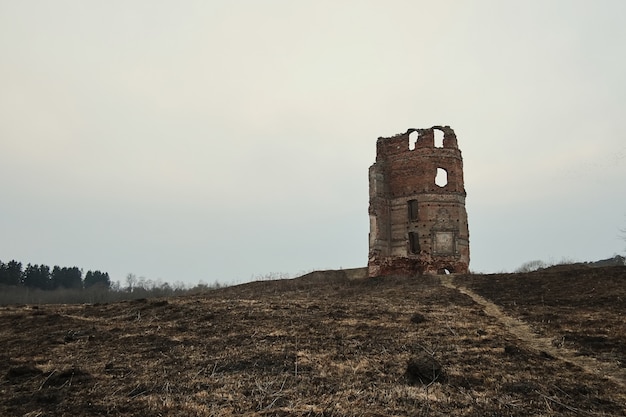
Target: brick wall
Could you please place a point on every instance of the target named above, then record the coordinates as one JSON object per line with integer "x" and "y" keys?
{"x": 416, "y": 225}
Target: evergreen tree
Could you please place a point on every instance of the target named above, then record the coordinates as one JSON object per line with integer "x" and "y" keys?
{"x": 11, "y": 273}
{"x": 2, "y": 274}
{"x": 66, "y": 277}
{"x": 15, "y": 273}
{"x": 97, "y": 278}
{"x": 37, "y": 276}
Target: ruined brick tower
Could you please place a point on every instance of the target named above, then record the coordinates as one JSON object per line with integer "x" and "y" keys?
{"x": 418, "y": 222}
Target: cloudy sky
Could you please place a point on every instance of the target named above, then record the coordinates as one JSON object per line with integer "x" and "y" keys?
{"x": 227, "y": 140}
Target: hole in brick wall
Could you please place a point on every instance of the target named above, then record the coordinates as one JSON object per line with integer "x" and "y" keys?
{"x": 441, "y": 179}
{"x": 438, "y": 138}
{"x": 413, "y": 137}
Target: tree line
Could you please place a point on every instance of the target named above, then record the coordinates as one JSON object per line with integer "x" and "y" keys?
{"x": 43, "y": 278}
{"x": 38, "y": 284}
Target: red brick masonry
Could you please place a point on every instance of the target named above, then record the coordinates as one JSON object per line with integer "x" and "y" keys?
{"x": 417, "y": 226}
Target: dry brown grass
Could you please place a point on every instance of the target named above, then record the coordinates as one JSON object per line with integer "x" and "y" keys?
{"x": 316, "y": 346}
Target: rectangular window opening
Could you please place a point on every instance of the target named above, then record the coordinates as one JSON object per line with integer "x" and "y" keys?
{"x": 413, "y": 210}
{"x": 414, "y": 243}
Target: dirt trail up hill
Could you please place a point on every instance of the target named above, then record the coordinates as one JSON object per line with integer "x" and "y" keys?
{"x": 540, "y": 344}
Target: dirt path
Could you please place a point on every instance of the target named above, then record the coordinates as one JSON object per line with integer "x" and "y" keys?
{"x": 542, "y": 344}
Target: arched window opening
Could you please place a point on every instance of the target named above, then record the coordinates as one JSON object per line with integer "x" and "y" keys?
{"x": 438, "y": 138}
{"x": 443, "y": 271}
{"x": 441, "y": 179}
{"x": 413, "y": 137}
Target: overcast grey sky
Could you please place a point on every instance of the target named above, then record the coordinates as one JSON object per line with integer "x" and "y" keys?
{"x": 223, "y": 140}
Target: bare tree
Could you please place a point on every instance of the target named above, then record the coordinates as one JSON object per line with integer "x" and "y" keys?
{"x": 131, "y": 281}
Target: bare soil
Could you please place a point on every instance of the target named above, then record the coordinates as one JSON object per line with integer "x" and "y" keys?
{"x": 547, "y": 343}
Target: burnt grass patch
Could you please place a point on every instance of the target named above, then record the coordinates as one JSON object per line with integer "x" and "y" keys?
{"x": 319, "y": 346}
{"x": 579, "y": 307}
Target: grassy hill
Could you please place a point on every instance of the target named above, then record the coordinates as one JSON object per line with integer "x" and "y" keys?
{"x": 546, "y": 343}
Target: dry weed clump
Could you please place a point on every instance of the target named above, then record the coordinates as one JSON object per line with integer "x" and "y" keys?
{"x": 425, "y": 369}
{"x": 418, "y": 318}
{"x": 288, "y": 348}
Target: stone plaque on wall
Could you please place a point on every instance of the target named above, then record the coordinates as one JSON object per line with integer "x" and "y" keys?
{"x": 444, "y": 242}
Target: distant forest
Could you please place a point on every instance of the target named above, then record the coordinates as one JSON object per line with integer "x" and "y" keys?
{"x": 41, "y": 277}
{"x": 38, "y": 284}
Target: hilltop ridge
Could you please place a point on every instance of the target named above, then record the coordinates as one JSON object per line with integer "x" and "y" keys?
{"x": 324, "y": 344}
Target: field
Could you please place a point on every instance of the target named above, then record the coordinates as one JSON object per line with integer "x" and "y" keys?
{"x": 546, "y": 343}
